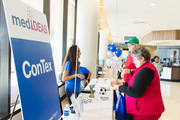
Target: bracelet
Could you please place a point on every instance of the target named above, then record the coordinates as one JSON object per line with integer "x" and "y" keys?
{"x": 129, "y": 70}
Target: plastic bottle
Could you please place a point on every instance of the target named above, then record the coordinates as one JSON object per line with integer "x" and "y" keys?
{"x": 71, "y": 107}
{"x": 66, "y": 112}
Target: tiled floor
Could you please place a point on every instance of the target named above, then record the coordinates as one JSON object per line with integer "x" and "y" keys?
{"x": 64, "y": 102}
{"x": 171, "y": 97}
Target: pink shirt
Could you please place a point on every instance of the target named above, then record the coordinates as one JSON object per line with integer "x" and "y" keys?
{"x": 128, "y": 65}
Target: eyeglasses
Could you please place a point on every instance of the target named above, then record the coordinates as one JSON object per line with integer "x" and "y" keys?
{"x": 131, "y": 44}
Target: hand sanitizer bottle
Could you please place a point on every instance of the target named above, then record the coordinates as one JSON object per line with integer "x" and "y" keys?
{"x": 66, "y": 112}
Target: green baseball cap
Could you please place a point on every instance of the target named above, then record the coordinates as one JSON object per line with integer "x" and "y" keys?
{"x": 133, "y": 40}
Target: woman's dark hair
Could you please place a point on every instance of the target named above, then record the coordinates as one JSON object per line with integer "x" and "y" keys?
{"x": 71, "y": 56}
{"x": 141, "y": 51}
{"x": 152, "y": 60}
{"x": 155, "y": 57}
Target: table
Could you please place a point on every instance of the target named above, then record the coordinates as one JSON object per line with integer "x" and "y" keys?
{"x": 98, "y": 109}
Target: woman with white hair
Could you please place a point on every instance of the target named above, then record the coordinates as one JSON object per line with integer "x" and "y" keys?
{"x": 143, "y": 93}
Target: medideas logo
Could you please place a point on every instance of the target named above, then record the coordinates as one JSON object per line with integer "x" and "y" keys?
{"x": 29, "y": 23}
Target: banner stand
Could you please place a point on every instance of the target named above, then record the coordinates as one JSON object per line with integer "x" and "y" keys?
{"x": 14, "y": 107}
{"x": 30, "y": 43}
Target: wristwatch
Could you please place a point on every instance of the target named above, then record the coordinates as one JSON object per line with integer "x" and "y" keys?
{"x": 129, "y": 70}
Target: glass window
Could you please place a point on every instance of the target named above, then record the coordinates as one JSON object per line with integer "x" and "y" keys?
{"x": 4, "y": 64}
{"x": 70, "y": 24}
{"x": 14, "y": 84}
{"x": 56, "y": 31}
{"x": 38, "y": 5}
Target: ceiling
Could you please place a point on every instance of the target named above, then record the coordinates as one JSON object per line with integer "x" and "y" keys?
{"x": 139, "y": 17}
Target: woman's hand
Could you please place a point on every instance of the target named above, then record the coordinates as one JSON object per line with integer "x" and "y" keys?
{"x": 116, "y": 86}
{"x": 80, "y": 76}
{"x": 87, "y": 81}
{"x": 126, "y": 71}
{"x": 121, "y": 83}
{"x": 121, "y": 69}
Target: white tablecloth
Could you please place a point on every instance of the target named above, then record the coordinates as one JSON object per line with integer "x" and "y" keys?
{"x": 98, "y": 109}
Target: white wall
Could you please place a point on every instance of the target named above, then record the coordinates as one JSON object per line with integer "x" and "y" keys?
{"x": 62, "y": 91}
{"x": 87, "y": 33}
{"x": 152, "y": 50}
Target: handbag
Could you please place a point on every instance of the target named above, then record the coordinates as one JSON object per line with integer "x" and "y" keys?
{"x": 121, "y": 113}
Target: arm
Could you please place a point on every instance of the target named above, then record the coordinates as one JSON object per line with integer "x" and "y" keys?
{"x": 129, "y": 66}
{"x": 127, "y": 71}
{"x": 161, "y": 70}
{"x": 88, "y": 78}
{"x": 67, "y": 68}
{"x": 141, "y": 81}
{"x": 66, "y": 77}
{"x": 89, "y": 75}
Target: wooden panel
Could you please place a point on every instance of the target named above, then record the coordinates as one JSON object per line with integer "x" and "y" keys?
{"x": 175, "y": 73}
{"x": 177, "y": 34}
{"x": 161, "y": 35}
{"x": 164, "y": 35}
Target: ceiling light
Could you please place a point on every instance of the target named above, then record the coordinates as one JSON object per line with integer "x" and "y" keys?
{"x": 139, "y": 21}
{"x": 153, "y": 4}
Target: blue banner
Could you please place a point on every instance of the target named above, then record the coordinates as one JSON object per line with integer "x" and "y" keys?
{"x": 128, "y": 37}
{"x": 36, "y": 79}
